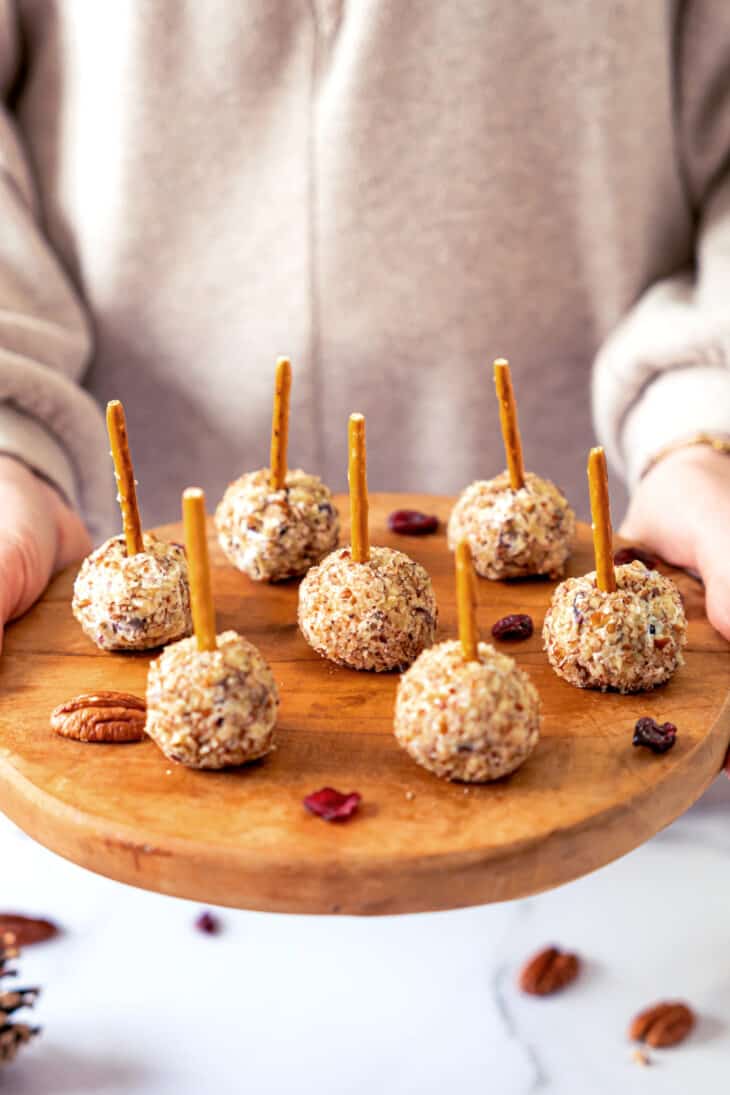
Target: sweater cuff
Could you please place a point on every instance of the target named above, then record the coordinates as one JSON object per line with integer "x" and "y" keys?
{"x": 24, "y": 438}
{"x": 677, "y": 404}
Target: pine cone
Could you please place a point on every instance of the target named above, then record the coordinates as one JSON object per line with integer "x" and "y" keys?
{"x": 12, "y": 1035}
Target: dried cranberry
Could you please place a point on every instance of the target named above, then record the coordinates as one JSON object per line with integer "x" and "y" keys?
{"x": 208, "y": 923}
{"x": 516, "y": 626}
{"x": 411, "y": 522}
{"x": 659, "y": 737}
{"x": 332, "y": 805}
{"x": 629, "y": 554}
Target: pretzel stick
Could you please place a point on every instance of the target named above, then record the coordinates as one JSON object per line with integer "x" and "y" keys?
{"x": 358, "y": 479}
{"x": 280, "y": 425}
{"x": 508, "y": 421}
{"x": 466, "y": 602}
{"x": 601, "y": 517}
{"x": 124, "y": 474}
{"x": 196, "y": 548}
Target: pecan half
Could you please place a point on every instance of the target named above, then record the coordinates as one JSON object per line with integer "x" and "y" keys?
{"x": 101, "y": 717}
{"x": 549, "y": 971}
{"x": 26, "y": 930}
{"x": 662, "y": 1025}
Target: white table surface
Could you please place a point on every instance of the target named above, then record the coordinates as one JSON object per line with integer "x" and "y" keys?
{"x": 137, "y": 1001}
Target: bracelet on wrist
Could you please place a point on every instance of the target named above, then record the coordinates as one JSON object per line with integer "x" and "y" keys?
{"x": 713, "y": 441}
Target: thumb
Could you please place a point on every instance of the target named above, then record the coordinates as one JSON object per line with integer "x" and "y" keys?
{"x": 717, "y": 587}
{"x": 24, "y": 568}
{"x": 637, "y": 529}
{"x": 631, "y": 527}
{"x": 74, "y": 541}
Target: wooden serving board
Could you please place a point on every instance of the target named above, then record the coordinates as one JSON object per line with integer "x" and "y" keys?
{"x": 243, "y": 838}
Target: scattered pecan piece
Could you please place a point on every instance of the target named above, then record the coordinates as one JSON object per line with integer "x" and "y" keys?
{"x": 411, "y": 522}
{"x": 332, "y": 805}
{"x": 208, "y": 923}
{"x": 13, "y": 1034}
{"x": 659, "y": 737}
{"x": 516, "y": 626}
{"x": 26, "y": 930}
{"x": 549, "y": 971}
{"x": 629, "y": 554}
{"x": 662, "y": 1025}
{"x": 101, "y": 717}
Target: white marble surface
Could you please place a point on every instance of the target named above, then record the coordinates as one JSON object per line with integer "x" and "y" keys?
{"x": 137, "y": 1001}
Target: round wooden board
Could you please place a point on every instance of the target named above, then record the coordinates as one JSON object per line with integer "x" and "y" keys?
{"x": 242, "y": 837}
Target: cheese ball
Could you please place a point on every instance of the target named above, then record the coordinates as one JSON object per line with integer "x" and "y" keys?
{"x": 377, "y": 615}
{"x": 514, "y": 533}
{"x": 133, "y": 602}
{"x": 276, "y": 534}
{"x": 627, "y": 641}
{"x": 212, "y": 708}
{"x": 471, "y": 721}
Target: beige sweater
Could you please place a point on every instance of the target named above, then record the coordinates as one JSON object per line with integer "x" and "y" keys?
{"x": 392, "y": 192}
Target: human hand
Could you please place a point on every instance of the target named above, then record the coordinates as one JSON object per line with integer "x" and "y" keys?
{"x": 39, "y": 535}
{"x": 681, "y": 511}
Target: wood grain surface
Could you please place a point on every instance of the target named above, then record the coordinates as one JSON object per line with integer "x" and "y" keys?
{"x": 242, "y": 838}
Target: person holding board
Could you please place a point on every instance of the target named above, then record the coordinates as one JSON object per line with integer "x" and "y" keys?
{"x": 359, "y": 186}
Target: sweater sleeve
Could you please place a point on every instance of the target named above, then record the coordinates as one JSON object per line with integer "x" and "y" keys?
{"x": 664, "y": 373}
{"x": 46, "y": 419}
